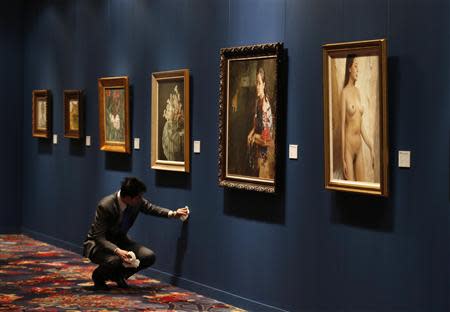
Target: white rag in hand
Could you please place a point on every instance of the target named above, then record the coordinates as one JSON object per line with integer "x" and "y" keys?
{"x": 134, "y": 263}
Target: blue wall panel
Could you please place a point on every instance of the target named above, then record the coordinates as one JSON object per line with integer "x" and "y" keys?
{"x": 305, "y": 249}
{"x": 11, "y": 81}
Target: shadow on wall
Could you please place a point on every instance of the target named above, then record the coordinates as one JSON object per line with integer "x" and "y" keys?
{"x": 182, "y": 244}
{"x": 368, "y": 211}
{"x": 118, "y": 161}
{"x": 77, "y": 147}
{"x": 173, "y": 179}
{"x": 363, "y": 211}
{"x": 45, "y": 146}
{"x": 255, "y": 205}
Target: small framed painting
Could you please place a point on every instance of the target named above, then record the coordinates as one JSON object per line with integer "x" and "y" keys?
{"x": 170, "y": 120}
{"x": 73, "y": 114}
{"x": 114, "y": 119}
{"x": 41, "y": 114}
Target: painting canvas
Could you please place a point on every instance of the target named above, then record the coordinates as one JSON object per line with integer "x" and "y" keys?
{"x": 73, "y": 114}
{"x": 170, "y": 120}
{"x": 355, "y": 116}
{"x": 249, "y": 109}
{"x": 41, "y": 112}
{"x": 114, "y": 114}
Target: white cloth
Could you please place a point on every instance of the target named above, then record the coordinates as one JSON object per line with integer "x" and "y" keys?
{"x": 134, "y": 262}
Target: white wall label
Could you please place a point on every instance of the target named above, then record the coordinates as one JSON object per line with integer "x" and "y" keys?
{"x": 55, "y": 139}
{"x": 137, "y": 143}
{"x": 88, "y": 140}
{"x": 293, "y": 151}
{"x": 197, "y": 147}
{"x": 404, "y": 159}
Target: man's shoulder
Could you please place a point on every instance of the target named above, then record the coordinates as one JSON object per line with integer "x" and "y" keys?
{"x": 107, "y": 201}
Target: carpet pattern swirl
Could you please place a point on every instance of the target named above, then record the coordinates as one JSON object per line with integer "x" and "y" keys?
{"x": 36, "y": 276}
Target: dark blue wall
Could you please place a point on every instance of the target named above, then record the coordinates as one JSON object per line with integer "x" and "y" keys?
{"x": 11, "y": 97}
{"x": 306, "y": 249}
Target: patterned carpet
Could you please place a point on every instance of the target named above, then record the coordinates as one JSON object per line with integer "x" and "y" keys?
{"x": 35, "y": 276}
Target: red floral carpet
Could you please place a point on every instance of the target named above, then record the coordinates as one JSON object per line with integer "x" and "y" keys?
{"x": 35, "y": 276}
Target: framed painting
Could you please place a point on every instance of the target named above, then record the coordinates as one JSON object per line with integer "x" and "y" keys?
{"x": 250, "y": 93}
{"x": 114, "y": 119}
{"x": 170, "y": 120}
{"x": 41, "y": 114}
{"x": 356, "y": 116}
{"x": 73, "y": 114}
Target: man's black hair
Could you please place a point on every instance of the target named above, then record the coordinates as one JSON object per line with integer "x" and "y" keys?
{"x": 132, "y": 187}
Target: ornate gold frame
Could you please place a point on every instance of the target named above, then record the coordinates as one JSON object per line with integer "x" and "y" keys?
{"x": 156, "y": 79}
{"x": 39, "y": 95}
{"x": 110, "y": 83}
{"x": 358, "y": 48}
{"x": 253, "y": 52}
{"x": 69, "y": 95}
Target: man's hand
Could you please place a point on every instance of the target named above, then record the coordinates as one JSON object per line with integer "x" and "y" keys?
{"x": 181, "y": 212}
{"x": 123, "y": 254}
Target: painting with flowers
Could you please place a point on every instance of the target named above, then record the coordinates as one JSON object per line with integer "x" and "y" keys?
{"x": 170, "y": 120}
{"x": 114, "y": 114}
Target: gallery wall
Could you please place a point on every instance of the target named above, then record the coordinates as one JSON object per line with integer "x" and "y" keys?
{"x": 11, "y": 95}
{"x": 304, "y": 249}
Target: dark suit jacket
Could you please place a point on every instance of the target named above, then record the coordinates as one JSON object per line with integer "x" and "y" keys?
{"x": 105, "y": 230}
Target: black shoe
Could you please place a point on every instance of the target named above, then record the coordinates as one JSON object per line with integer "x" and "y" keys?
{"x": 99, "y": 280}
{"x": 100, "y": 286}
{"x": 121, "y": 282}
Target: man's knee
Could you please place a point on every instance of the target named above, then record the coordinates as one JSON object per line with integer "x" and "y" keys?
{"x": 147, "y": 259}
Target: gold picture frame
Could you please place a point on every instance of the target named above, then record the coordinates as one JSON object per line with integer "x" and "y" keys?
{"x": 114, "y": 114}
{"x": 170, "y": 121}
{"x": 73, "y": 114}
{"x": 249, "y": 109}
{"x": 356, "y": 116}
{"x": 41, "y": 114}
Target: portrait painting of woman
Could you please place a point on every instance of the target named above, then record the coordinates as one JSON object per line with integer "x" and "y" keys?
{"x": 355, "y": 123}
{"x": 250, "y": 129}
